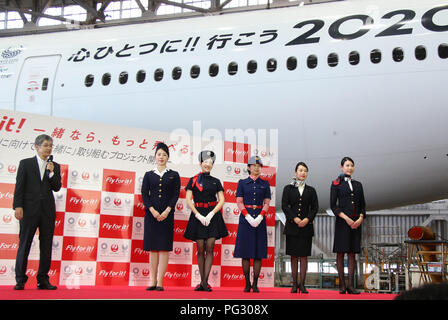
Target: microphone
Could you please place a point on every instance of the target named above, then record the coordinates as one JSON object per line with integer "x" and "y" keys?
{"x": 50, "y": 159}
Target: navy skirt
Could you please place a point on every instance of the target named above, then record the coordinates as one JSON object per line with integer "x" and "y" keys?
{"x": 251, "y": 243}
{"x": 158, "y": 236}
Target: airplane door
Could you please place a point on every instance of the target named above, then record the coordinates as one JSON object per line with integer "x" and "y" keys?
{"x": 34, "y": 92}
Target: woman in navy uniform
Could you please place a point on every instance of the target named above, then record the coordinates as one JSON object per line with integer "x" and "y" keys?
{"x": 253, "y": 198}
{"x": 349, "y": 207}
{"x": 160, "y": 192}
{"x": 300, "y": 205}
{"x": 206, "y": 223}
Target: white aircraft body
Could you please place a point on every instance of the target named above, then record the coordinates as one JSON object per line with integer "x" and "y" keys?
{"x": 365, "y": 79}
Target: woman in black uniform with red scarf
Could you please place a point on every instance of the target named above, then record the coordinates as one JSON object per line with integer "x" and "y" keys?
{"x": 206, "y": 224}
{"x": 349, "y": 206}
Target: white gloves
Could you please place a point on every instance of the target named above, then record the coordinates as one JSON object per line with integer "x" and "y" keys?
{"x": 254, "y": 222}
{"x": 209, "y": 217}
{"x": 258, "y": 219}
{"x": 202, "y": 219}
{"x": 205, "y": 220}
{"x": 251, "y": 220}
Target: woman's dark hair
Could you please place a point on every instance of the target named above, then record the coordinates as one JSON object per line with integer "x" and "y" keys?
{"x": 347, "y": 159}
{"x": 303, "y": 164}
{"x": 164, "y": 147}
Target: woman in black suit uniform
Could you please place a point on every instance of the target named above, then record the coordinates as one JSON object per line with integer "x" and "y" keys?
{"x": 160, "y": 192}
{"x": 300, "y": 205}
{"x": 349, "y": 206}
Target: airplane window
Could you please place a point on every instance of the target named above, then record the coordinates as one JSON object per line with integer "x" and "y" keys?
{"x": 44, "y": 84}
{"x": 398, "y": 54}
{"x": 177, "y": 73}
{"x": 106, "y": 79}
{"x": 141, "y": 76}
{"x": 420, "y": 53}
{"x": 271, "y": 65}
{"x": 375, "y": 56}
{"x": 443, "y": 51}
{"x": 213, "y": 70}
{"x": 333, "y": 59}
{"x": 232, "y": 68}
{"x": 291, "y": 63}
{"x": 194, "y": 72}
{"x": 311, "y": 61}
{"x": 89, "y": 80}
{"x": 252, "y": 66}
{"x": 353, "y": 58}
{"x": 123, "y": 78}
{"x": 158, "y": 74}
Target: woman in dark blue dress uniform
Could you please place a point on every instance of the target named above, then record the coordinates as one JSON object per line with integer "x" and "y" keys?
{"x": 300, "y": 205}
{"x": 206, "y": 223}
{"x": 160, "y": 192}
{"x": 349, "y": 207}
{"x": 253, "y": 198}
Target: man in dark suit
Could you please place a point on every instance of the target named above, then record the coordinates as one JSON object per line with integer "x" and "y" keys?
{"x": 34, "y": 206}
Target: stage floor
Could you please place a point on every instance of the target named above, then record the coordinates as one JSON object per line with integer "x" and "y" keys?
{"x": 178, "y": 293}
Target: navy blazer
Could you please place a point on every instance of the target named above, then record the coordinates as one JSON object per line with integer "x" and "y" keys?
{"x": 342, "y": 199}
{"x": 160, "y": 192}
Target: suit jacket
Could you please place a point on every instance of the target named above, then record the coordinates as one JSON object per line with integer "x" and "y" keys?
{"x": 342, "y": 199}
{"x": 30, "y": 189}
{"x": 302, "y": 206}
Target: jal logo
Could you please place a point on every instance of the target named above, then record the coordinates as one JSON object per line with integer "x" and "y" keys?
{"x": 178, "y": 251}
{"x": 32, "y": 86}
{"x": 3, "y": 269}
{"x": 236, "y": 212}
{"x": 117, "y": 202}
{"x": 114, "y": 248}
{"x": 261, "y": 275}
{"x": 145, "y": 272}
{"x": 7, "y": 218}
{"x": 79, "y": 271}
{"x": 237, "y": 170}
{"x": 263, "y": 154}
{"x": 179, "y": 206}
{"x": 85, "y": 176}
{"x": 12, "y": 168}
{"x": 82, "y": 223}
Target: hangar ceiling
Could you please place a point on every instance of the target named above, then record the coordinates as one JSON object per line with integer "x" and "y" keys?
{"x": 19, "y": 17}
